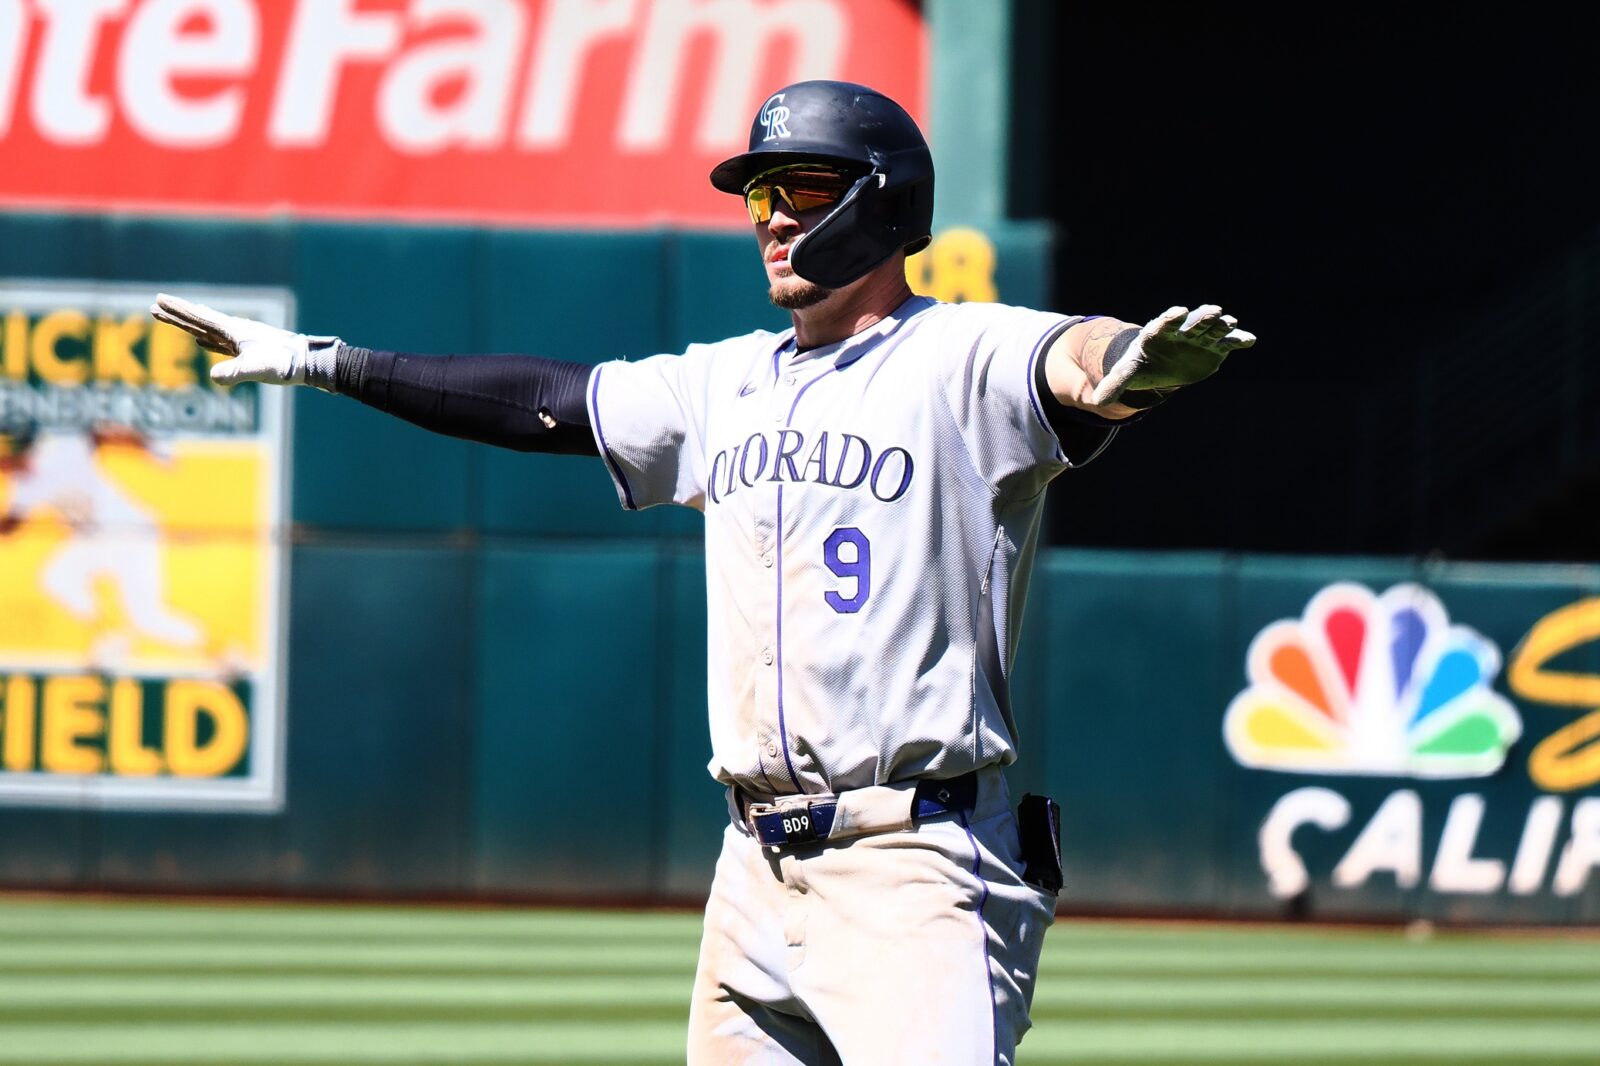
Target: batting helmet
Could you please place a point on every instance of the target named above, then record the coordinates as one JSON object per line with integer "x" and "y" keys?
{"x": 860, "y": 130}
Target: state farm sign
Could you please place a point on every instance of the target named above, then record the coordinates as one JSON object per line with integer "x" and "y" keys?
{"x": 553, "y": 111}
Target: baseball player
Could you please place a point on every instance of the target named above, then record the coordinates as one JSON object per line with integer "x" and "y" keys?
{"x": 110, "y": 536}
{"x": 872, "y": 481}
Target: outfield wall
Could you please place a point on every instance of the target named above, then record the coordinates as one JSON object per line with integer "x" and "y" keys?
{"x": 479, "y": 676}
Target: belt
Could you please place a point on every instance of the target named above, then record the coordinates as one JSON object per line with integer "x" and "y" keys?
{"x": 794, "y": 820}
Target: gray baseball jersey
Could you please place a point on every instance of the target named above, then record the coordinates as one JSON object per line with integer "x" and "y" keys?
{"x": 872, "y": 508}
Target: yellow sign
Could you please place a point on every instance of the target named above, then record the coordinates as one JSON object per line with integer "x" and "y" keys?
{"x": 140, "y": 563}
{"x": 1569, "y": 758}
{"x": 957, "y": 267}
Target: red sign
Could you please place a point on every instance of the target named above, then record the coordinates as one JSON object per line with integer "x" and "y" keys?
{"x": 548, "y": 111}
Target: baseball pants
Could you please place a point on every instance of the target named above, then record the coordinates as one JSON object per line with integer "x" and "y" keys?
{"x": 914, "y": 946}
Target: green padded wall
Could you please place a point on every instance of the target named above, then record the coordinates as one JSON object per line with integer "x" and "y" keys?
{"x": 496, "y": 676}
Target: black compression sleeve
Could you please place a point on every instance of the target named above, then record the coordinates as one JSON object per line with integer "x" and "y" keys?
{"x": 1083, "y": 434}
{"x": 513, "y": 401}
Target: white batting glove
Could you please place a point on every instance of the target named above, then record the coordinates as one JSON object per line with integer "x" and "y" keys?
{"x": 260, "y": 352}
{"x": 1178, "y": 347}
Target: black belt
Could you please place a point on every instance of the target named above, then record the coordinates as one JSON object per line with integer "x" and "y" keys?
{"x": 810, "y": 822}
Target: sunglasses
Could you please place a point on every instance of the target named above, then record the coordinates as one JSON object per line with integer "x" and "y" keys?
{"x": 802, "y": 188}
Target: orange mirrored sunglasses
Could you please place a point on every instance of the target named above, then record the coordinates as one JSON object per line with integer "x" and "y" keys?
{"x": 803, "y": 188}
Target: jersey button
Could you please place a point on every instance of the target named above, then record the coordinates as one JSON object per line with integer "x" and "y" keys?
{"x": 766, "y": 656}
{"x": 766, "y": 560}
{"x": 790, "y": 380}
{"x": 772, "y": 750}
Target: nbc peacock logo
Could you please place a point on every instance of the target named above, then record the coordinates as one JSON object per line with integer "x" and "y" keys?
{"x": 1372, "y": 684}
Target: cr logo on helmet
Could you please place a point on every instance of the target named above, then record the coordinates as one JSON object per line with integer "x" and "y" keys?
{"x": 775, "y": 117}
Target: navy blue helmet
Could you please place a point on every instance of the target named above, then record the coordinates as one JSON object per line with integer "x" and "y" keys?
{"x": 864, "y": 134}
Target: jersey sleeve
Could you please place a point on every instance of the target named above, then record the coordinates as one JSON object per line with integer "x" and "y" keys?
{"x": 993, "y": 394}
{"x": 648, "y": 419}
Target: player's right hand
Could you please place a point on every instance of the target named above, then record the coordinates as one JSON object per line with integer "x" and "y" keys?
{"x": 259, "y": 352}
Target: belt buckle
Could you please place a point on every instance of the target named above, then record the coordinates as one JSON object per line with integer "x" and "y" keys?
{"x": 793, "y": 820}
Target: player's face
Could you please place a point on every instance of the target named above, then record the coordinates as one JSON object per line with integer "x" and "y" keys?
{"x": 783, "y": 205}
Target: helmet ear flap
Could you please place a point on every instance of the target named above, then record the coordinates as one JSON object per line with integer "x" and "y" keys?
{"x": 857, "y": 235}
{"x": 918, "y": 208}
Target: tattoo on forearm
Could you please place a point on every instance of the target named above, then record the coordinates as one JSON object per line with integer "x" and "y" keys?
{"x": 1104, "y": 345}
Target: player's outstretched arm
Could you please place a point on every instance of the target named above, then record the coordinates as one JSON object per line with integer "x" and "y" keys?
{"x": 514, "y": 401}
{"x": 1115, "y": 369}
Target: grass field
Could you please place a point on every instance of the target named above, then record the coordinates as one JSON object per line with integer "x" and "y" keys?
{"x": 168, "y": 983}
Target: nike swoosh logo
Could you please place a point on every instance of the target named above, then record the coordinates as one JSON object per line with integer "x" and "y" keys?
{"x": 747, "y": 390}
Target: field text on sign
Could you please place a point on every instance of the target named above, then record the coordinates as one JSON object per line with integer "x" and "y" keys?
{"x": 88, "y": 724}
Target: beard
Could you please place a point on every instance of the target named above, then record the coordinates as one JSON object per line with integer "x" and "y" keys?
{"x": 796, "y": 293}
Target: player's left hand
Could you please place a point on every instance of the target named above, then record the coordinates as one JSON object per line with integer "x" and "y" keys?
{"x": 1176, "y": 348}
{"x": 259, "y": 352}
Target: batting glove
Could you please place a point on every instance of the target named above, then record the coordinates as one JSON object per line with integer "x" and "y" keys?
{"x": 260, "y": 352}
{"x": 1176, "y": 348}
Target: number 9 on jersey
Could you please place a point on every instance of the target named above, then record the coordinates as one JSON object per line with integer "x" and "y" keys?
{"x": 849, "y": 555}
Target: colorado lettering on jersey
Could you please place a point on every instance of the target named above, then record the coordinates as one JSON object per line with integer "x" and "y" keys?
{"x": 840, "y": 461}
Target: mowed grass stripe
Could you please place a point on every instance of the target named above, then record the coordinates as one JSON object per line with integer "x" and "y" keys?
{"x": 21, "y": 910}
{"x": 603, "y": 1015}
{"x": 654, "y": 1041}
{"x": 1485, "y": 961}
{"x": 20, "y": 995}
{"x": 601, "y": 967}
{"x": 1374, "y": 994}
{"x": 575, "y": 989}
{"x": 177, "y": 1000}
{"x": 1224, "y": 1040}
{"x": 1583, "y": 946}
{"x": 26, "y": 921}
{"x": 1246, "y": 1015}
{"x": 18, "y": 913}
{"x": 538, "y": 963}
{"x": 545, "y": 1041}
{"x": 1497, "y": 962}
{"x": 178, "y": 1015}
{"x": 65, "y": 931}
{"x": 68, "y": 919}
{"x": 206, "y": 955}
{"x": 288, "y": 919}
{"x": 1091, "y": 930}
{"x": 68, "y": 925}
{"x": 1371, "y": 989}
{"x": 133, "y": 939}
{"x": 620, "y": 996}
{"x": 605, "y": 1056}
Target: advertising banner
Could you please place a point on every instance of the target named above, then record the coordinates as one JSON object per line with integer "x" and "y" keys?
{"x": 140, "y": 574}
{"x": 1323, "y": 738}
{"x": 587, "y": 112}
{"x": 1415, "y": 753}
